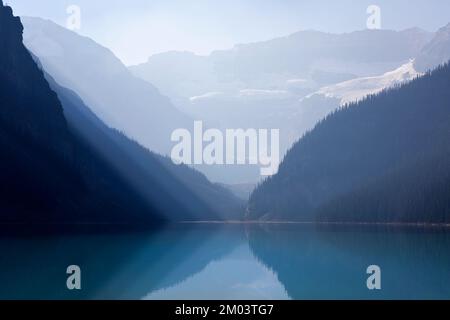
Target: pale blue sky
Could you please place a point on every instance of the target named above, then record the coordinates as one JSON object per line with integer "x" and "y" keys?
{"x": 136, "y": 29}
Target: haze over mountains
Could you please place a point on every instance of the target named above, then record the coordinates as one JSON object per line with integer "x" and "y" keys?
{"x": 288, "y": 83}
{"x": 310, "y": 57}
{"x": 436, "y": 52}
{"x": 154, "y": 177}
{"x": 62, "y": 164}
{"x": 47, "y": 174}
{"x": 121, "y": 100}
{"x": 80, "y": 132}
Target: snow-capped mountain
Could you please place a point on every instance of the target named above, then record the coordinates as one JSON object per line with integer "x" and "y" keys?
{"x": 308, "y": 59}
{"x": 260, "y": 85}
{"x": 359, "y": 88}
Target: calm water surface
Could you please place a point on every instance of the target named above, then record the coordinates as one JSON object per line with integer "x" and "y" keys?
{"x": 229, "y": 262}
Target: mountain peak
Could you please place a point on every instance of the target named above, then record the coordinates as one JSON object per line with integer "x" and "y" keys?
{"x": 415, "y": 30}
{"x": 444, "y": 30}
{"x": 10, "y": 26}
{"x": 5, "y": 10}
{"x": 436, "y": 52}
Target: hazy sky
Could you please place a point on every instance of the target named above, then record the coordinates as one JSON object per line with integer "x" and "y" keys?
{"x": 136, "y": 29}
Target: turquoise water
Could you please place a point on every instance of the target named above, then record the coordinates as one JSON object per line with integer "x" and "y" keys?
{"x": 229, "y": 262}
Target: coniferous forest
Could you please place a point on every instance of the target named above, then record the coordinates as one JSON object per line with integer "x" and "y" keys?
{"x": 383, "y": 159}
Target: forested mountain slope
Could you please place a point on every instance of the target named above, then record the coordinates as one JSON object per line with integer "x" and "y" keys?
{"x": 384, "y": 159}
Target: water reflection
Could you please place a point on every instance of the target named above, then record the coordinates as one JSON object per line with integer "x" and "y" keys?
{"x": 229, "y": 262}
{"x": 114, "y": 266}
{"x": 330, "y": 263}
{"x": 237, "y": 275}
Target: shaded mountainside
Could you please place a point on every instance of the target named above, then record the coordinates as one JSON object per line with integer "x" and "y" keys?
{"x": 47, "y": 175}
{"x": 156, "y": 178}
{"x": 121, "y": 100}
{"x": 79, "y": 170}
{"x": 384, "y": 159}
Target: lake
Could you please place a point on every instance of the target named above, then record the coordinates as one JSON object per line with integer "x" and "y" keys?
{"x": 229, "y": 262}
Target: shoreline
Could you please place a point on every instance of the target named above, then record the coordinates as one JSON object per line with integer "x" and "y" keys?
{"x": 319, "y": 223}
{"x": 131, "y": 226}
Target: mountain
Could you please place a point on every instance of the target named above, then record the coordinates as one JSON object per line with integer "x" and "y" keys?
{"x": 47, "y": 175}
{"x": 242, "y": 191}
{"x": 61, "y": 164}
{"x": 359, "y": 88}
{"x": 156, "y": 178}
{"x": 119, "y": 99}
{"x": 383, "y": 159}
{"x": 306, "y": 56}
{"x": 314, "y": 54}
{"x": 436, "y": 52}
{"x": 317, "y": 105}
{"x": 264, "y": 84}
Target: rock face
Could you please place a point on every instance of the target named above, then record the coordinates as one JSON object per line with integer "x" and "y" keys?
{"x": 12, "y": 28}
{"x": 23, "y": 87}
